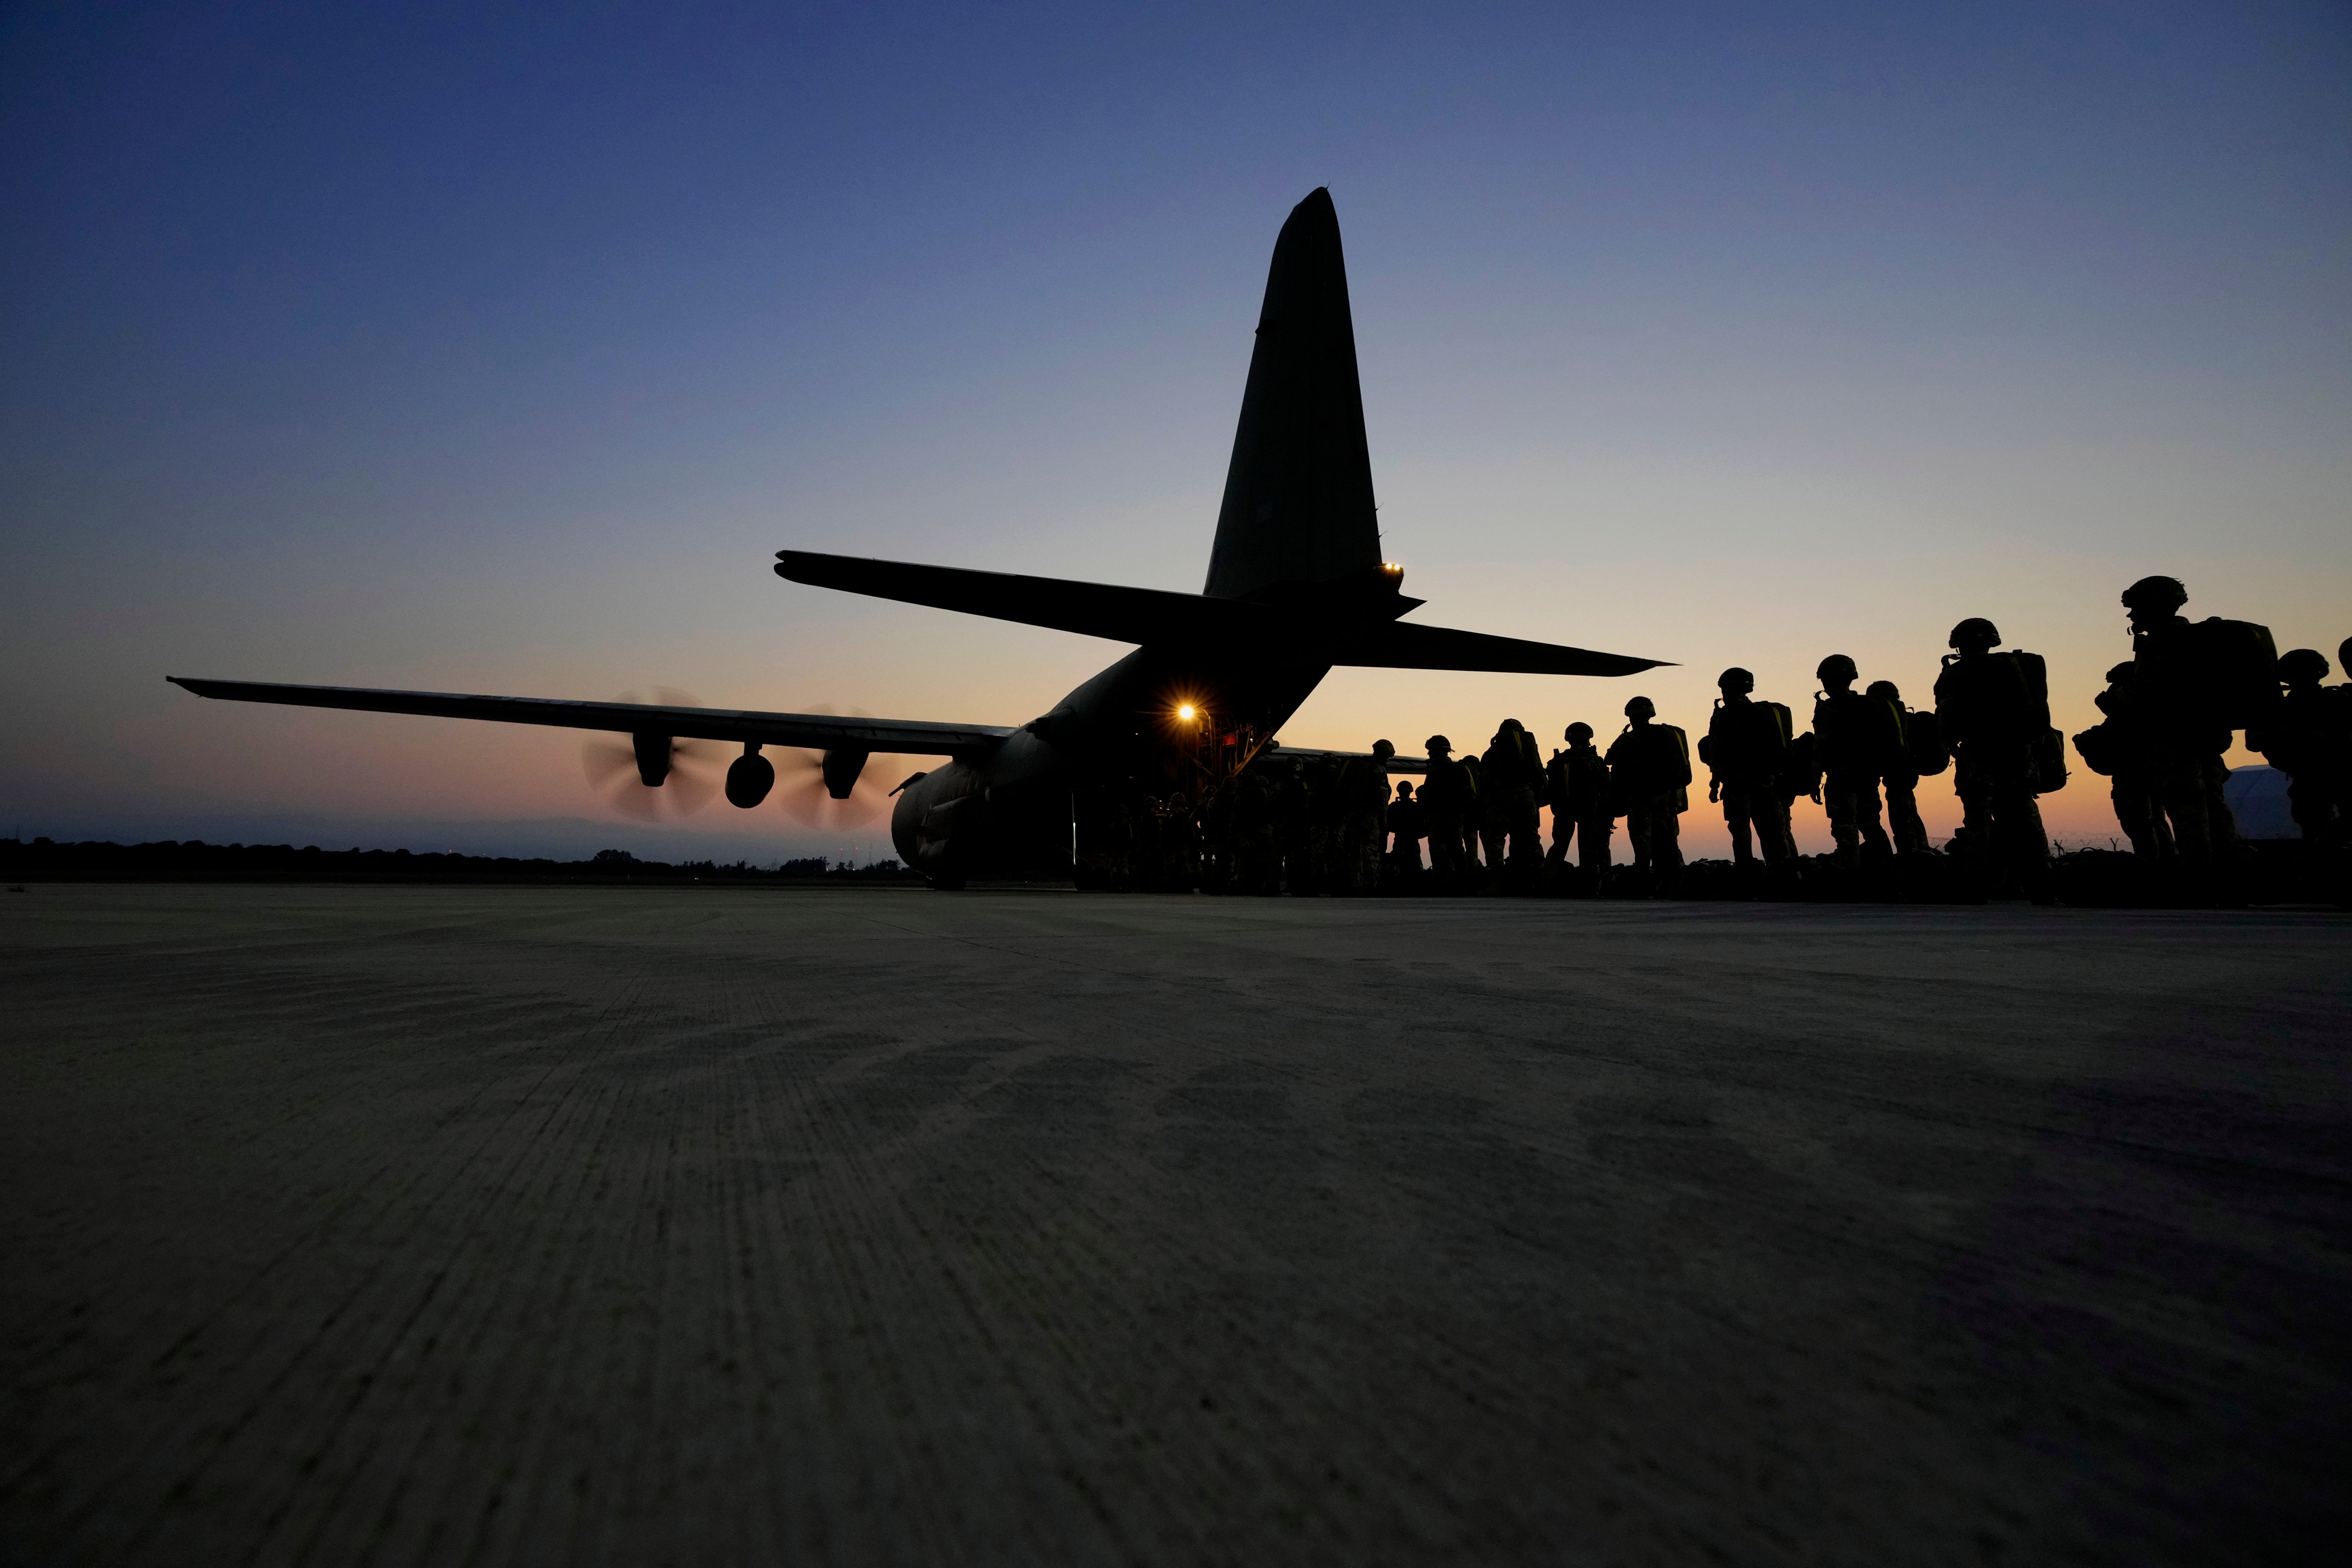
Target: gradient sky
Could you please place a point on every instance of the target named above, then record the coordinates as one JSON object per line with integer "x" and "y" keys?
{"x": 474, "y": 350}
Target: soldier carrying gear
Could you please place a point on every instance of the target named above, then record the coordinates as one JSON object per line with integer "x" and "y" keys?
{"x": 2197, "y": 682}
{"x": 2303, "y": 740}
{"x": 1745, "y": 749}
{"x": 1364, "y": 801}
{"x": 1576, "y": 787}
{"x": 1856, "y": 738}
{"x": 1446, "y": 802}
{"x": 1901, "y": 775}
{"x": 1510, "y": 781}
{"x": 1404, "y": 822}
{"x": 1993, "y": 708}
{"x": 1649, "y": 773}
{"x": 2119, "y": 746}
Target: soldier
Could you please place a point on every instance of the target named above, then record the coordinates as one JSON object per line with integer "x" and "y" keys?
{"x": 2119, "y": 747}
{"x": 1855, "y": 738}
{"x": 1745, "y": 749}
{"x": 1577, "y": 790}
{"x": 1363, "y": 785}
{"x": 1510, "y": 776}
{"x": 2300, "y": 741}
{"x": 1257, "y": 863}
{"x": 1445, "y": 802}
{"x": 2190, "y": 686}
{"x": 1649, "y": 765}
{"x": 1902, "y": 775}
{"x": 1993, "y": 708}
{"x": 1405, "y": 823}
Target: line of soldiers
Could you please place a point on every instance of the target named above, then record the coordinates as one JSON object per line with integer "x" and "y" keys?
{"x": 1321, "y": 823}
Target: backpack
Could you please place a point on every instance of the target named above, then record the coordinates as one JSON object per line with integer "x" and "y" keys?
{"x": 2033, "y": 673}
{"x": 2096, "y": 747}
{"x": 1804, "y": 774}
{"x": 1924, "y": 751}
{"x": 2240, "y": 670}
{"x": 2049, "y": 762}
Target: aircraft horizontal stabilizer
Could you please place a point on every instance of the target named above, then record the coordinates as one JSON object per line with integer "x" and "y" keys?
{"x": 1406, "y": 644}
{"x": 813, "y": 730}
{"x": 1328, "y": 631}
{"x": 1089, "y": 609}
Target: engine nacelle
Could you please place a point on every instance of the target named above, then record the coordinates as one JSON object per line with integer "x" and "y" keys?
{"x": 749, "y": 779}
{"x": 940, "y": 825}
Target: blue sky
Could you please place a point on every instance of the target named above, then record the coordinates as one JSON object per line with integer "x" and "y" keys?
{"x": 488, "y": 348}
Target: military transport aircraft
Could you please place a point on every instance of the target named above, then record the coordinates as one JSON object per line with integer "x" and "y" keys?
{"x": 1296, "y": 584}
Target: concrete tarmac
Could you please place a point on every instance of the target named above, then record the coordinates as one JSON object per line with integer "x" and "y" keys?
{"x": 426, "y": 1225}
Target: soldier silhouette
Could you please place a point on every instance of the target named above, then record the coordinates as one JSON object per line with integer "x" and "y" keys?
{"x": 1745, "y": 749}
{"x": 1510, "y": 781}
{"x": 1901, "y": 777}
{"x": 1576, "y": 785}
{"x": 2197, "y": 682}
{"x": 1363, "y": 798}
{"x": 1649, "y": 771}
{"x": 2301, "y": 740}
{"x": 2120, "y": 747}
{"x": 1994, "y": 709}
{"x": 1446, "y": 805}
{"x": 1856, "y": 736}
{"x": 1404, "y": 825}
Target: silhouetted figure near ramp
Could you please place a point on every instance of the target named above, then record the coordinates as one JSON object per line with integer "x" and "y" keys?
{"x": 1745, "y": 749}
{"x": 1405, "y": 833}
{"x": 1446, "y": 802}
{"x": 1857, "y": 737}
{"x": 1577, "y": 790}
{"x": 1918, "y": 748}
{"x": 2120, "y": 746}
{"x": 2197, "y": 683}
{"x": 1510, "y": 781}
{"x": 1363, "y": 799}
{"x": 1994, "y": 709}
{"x": 2301, "y": 740}
{"x": 1258, "y": 856}
{"x": 1649, "y": 768}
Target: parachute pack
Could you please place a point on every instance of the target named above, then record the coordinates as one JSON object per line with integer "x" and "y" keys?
{"x": 1924, "y": 752}
{"x": 2239, "y": 663}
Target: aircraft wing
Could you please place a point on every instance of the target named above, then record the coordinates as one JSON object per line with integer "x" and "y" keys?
{"x": 1408, "y": 645}
{"x": 814, "y": 731}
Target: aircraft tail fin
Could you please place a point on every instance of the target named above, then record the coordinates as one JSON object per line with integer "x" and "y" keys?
{"x": 1298, "y": 494}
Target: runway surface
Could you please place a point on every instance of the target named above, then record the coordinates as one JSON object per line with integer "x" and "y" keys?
{"x": 441, "y": 1225}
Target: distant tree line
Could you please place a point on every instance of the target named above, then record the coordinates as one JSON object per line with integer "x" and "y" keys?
{"x": 169, "y": 860}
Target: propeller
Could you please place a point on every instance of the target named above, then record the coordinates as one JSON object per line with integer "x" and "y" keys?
{"x": 687, "y": 771}
{"x": 800, "y": 783}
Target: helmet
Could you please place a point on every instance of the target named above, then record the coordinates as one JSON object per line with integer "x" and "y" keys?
{"x": 1384, "y": 748}
{"x": 2155, "y": 593}
{"x": 1884, "y": 690}
{"x": 1579, "y": 731}
{"x": 1975, "y": 632}
{"x": 1641, "y": 705}
{"x": 2302, "y": 664}
{"x": 1512, "y": 725}
{"x": 1736, "y": 679}
{"x": 1837, "y": 664}
{"x": 1437, "y": 744}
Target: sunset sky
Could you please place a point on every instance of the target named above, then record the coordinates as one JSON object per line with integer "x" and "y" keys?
{"x": 474, "y": 350}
